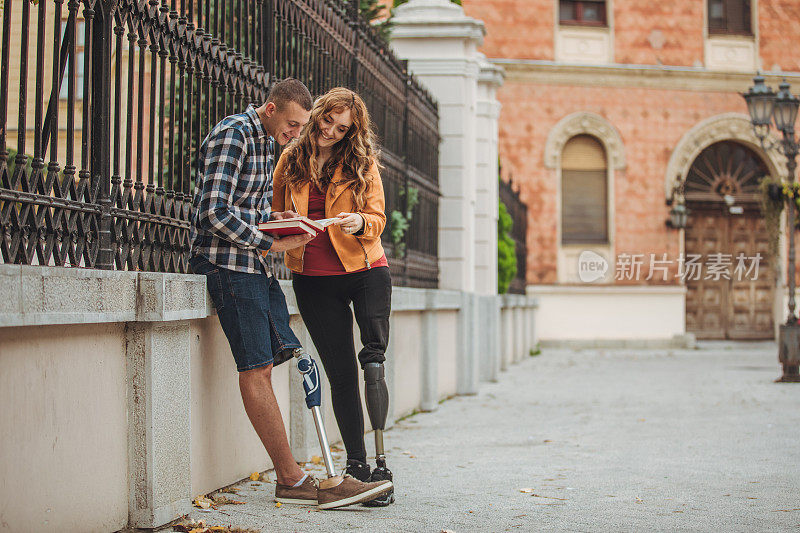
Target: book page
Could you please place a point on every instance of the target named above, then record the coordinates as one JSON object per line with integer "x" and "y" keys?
{"x": 325, "y": 222}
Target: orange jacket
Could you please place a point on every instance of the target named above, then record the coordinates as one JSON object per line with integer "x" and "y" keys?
{"x": 355, "y": 252}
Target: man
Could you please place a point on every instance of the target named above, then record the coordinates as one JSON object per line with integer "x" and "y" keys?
{"x": 233, "y": 194}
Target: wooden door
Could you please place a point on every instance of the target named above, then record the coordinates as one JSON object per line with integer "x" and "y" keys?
{"x": 750, "y": 311}
{"x": 737, "y": 305}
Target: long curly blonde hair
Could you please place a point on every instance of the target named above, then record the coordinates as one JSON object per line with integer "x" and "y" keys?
{"x": 355, "y": 152}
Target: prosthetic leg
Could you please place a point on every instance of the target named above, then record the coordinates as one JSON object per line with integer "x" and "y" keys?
{"x": 310, "y": 373}
{"x": 377, "y": 399}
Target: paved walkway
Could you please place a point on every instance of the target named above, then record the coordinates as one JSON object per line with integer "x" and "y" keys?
{"x": 593, "y": 440}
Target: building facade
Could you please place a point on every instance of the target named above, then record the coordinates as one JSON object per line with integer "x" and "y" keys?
{"x": 609, "y": 110}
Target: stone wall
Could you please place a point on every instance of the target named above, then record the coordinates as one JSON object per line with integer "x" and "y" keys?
{"x": 120, "y": 388}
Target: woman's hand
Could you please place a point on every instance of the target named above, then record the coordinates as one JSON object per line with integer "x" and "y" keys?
{"x": 350, "y": 222}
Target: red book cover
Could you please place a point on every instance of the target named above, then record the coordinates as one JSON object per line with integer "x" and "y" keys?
{"x": 288, "y": 226}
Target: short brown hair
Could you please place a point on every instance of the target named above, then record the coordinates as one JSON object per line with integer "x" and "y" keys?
{"x": 290, "y": 90}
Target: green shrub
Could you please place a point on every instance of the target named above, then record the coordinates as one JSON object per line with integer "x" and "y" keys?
{"x": 506, "y": 251}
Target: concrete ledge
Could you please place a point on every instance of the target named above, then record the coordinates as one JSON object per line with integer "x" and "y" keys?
{"x": 35, "y": 296}
{"x": 518, "y": 300}
{"x": 162, "y": 297}
{"x": 408, "y": 299}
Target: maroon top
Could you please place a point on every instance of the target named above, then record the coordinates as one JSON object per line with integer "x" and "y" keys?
{"x": 320, "y": 258}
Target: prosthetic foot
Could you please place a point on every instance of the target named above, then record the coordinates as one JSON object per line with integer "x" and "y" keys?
{"x": 377, "y": 399}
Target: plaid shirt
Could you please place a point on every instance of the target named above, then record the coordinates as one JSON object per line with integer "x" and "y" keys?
{"x": 233, "y": 193}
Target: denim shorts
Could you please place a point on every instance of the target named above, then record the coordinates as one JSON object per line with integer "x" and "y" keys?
{"x": 252, "y": 311}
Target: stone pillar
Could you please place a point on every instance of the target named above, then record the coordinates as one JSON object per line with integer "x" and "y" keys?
{"x": 159, "y": 439}
{"x": 429, "y": 400}
{"x": 440, "y": 43}
{"x": 467, "y": 356}
{"x": 158, "y": 358}
{"x": 486, "y": 206}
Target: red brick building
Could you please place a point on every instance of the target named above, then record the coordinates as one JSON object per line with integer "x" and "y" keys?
{"x": 606, "y": 107}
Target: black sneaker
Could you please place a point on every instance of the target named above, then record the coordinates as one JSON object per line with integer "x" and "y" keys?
{"x": 358, "y": 470}
{"x": 381, "y": 473}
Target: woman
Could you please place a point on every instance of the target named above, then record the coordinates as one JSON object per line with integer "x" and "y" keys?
{"x": 332, "y": 171}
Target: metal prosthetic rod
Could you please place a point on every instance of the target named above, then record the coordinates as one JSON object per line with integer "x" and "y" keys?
{"x": 310, "y": 373}
{"x": 377, "y": 398}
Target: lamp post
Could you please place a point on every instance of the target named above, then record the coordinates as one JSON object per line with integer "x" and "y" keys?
{"x": 765, "y": 107}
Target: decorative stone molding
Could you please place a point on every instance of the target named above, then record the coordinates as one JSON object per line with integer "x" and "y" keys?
{"x": 428, "y": 19}
{"x": 584, "y": 45}
{"x": 662, "y": 77}
{"x": 725, "y": 127}
{"x": 731, "y": 53}
{"x": 584, "y": 123}
{"x": 490, "y": 74}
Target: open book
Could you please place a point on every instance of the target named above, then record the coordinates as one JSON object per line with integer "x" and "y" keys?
{"x": 296, "y": 226}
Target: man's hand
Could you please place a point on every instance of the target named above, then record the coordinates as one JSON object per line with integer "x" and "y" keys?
{"x": 280, "y": 215}
{"x": 289, "y": 242}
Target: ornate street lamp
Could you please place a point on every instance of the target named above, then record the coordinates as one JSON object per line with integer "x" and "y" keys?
{"x": 765, "y": 106}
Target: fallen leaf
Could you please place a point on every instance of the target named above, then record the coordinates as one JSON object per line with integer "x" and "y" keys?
{"x": 316, "y": 459}
{"x": 254, "y": 476}
{"x": 278, "y": 504}
{"x": 202, "y": 502}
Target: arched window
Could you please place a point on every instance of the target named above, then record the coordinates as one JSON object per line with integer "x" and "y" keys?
{"x": 725, "y": 168}
{"x": 584, "y": 192}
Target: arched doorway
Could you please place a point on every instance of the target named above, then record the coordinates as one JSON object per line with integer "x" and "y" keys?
{"x": 725, "y": 223}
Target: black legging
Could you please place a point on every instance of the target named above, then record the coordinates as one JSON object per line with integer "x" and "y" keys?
{"x": 324, "y": 303}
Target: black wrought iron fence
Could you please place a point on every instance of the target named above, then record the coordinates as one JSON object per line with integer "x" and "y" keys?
{"x": 519, "y": 231}
{"x": 120, "y": 94}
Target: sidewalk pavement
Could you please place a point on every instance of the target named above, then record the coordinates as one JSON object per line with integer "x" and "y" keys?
{"x": 586, "y": 440}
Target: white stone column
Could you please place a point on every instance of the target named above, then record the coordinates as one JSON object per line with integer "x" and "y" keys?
{"x": 158, "y": 357}
{"x": 430, "y": 357}
{"x": 440, "y": 43}
{"x": 159, "y": 438}
{"x": 486, "y": 184}
{"x": 467, "y": 355}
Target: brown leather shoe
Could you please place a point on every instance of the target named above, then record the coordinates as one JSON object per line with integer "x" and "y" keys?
{"x": 339, "y": 491}
{"x": 305, "y": 494}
